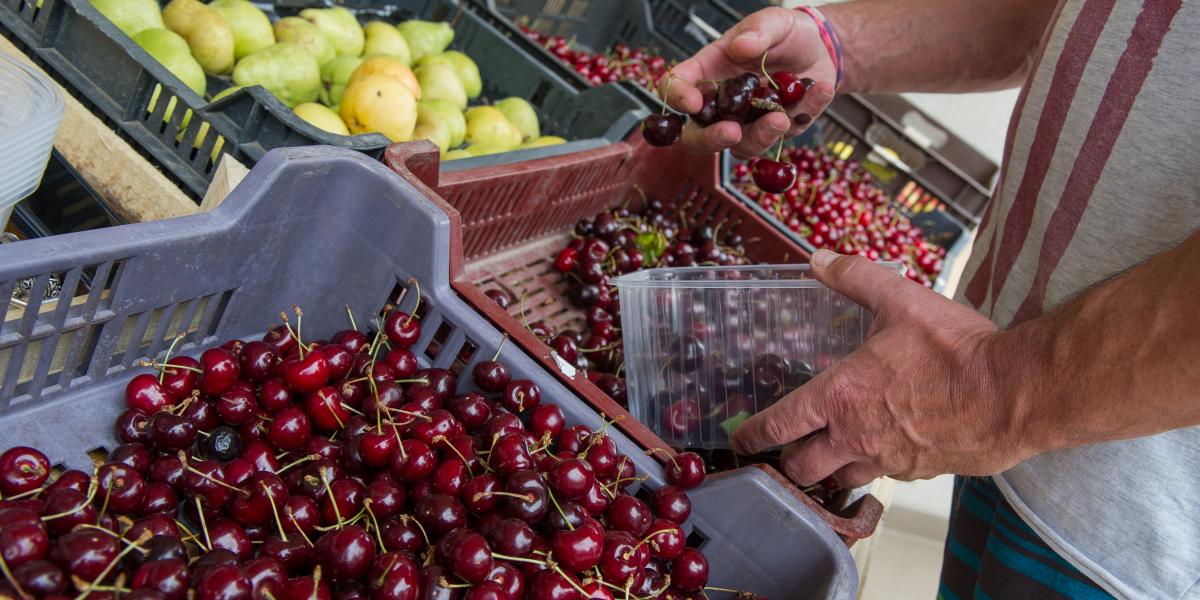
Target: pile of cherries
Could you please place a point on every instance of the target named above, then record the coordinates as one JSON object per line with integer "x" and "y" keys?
{"x": 643, "y": 66}
{"x": 743, "y": 99}
{"x": 283, "y": 470}
{"x": 837, "y": 205}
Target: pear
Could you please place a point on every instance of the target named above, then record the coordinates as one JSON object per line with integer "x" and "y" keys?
{"x": 545, "y": 140}
{"x": 446, "y": 112}
{"x": 206, "y": 32}
{"x": 488, "y": 126}
{"x": 380, "y": 103}
{"x": 425, "y": 38}
{"x": 382, "y": 38}
{"x": 322, "y": 117}
{"x": 170, "y": 49}
{"x": 388, "y": 66}
{"x": 340, "y": 27}
{"x": 457, "y": 154}
{"x": 521, "y": 113}
{"x": 467, "y": 71}
{"x": 440, "y": 82}
{"x": 250, "y": 25}
{"x": 286, "y": 70}
{"x": 335, "y": 74}
{"x": 225, "y": 92}
{"x": 304, "y": 33}
{"x": 486, "y": 148}
{"x": 434, "y": 132}
{"x": 131, "y": 16}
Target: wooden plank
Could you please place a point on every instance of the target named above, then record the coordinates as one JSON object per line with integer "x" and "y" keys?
{"x": 134, "y": 188}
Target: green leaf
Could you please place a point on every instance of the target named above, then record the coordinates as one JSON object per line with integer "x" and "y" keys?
{"x": 652, "y": 244}
{"x": 734, "y": 422}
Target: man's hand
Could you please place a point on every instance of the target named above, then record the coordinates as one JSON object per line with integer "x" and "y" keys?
{"x": 791, "y": 42}
{"x": 916, "y": 400}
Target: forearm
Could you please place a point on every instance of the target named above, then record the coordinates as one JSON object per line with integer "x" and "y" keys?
{"x": 938, "y": 45}
{"x": 1121, "y": 360}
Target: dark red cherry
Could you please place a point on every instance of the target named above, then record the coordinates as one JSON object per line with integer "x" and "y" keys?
{"x": 672, "y": 503}
{"x": 521, "y": 395}
{"x": 306, "y": 374}
{"x": 511, "y": 580}
{"x": 402, "y": 535}
{"x": 432, "y": 578}
{"x": 73, "y": 479}
{"x": 386, "y": 498}
{"x": 202, "y": 414}
{"x": 169, "y": 577}
{"x": 413, "y": 461}
{"x": 180, "y": 376}
{"x": 160, "y": 499}
{"x": 24, "y": 540}
{"x": 258, "y": 360}
{"x": 547, "y": 419}
{"x": 578, "y": 549}
{"x": 281, "y": 337}
{"x": 791, "y": 88}
{"x": 145, "y": 393}
{"x": 570, "y": 479}
{"x": 353, "y": 340}
{"x": 686, "y": 470}
{"x": 71, "y": 508}
{"x": 471, "y": 409}
{"x": 499, "y": 297}
{"x": 222, "y": 582}
{"x": 266, "y": 576}
{"x": 221, "y": 370}
{"x": 290, "y": 429}
{"x": 134, "y": 456}
{"x": 510, "y": 454}
{"x": 630, "y": 514}
{"x": 347, "y": 496}
{"x": 402, "y": 362}
{"x": 440, "y": 514}
{"x": 325, "y": 410}
{"x": 309, "y": 587}
{"x": 666, "y": 539}
{"x": 123, "y": 487}
{"x": 166, "y": 469}
{"x": 338, "y": 358}
{"x": 345, "y": 554}
{"x": 402, "y": 329}
{"x": 708, "y": 110}
{"x": 662, "y": 129}
{"x": 171, "y": 433}
{"x": 131, "y": 426}
{"x": 513, "y": 537}
{"x": 274, "y": 395}
{"x": 490, "y": 376}
{"x": 293, "y": 555}
{"x": 84, "y": 553}
{"x": 40, "y": 578}
{"x": 530, "y": 499}
{"x": 623, "y": 559}
{"x": 467, "y": 554}
{"x": 441, "y": 381}
{"x": 449, "y": 477}
{"x": 554, "y": 585}
{"x": 762, "y": 101}
{"x": 689, "y": 571}
{"x": 394, "y": 576}
{"x": 774, "y": 176}
{"x": 377, "y": 447}
{"x": 477, "y": 493}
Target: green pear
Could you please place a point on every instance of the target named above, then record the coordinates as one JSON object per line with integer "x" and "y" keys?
{"x": 382, "y": 38}
{"x": 170, "y": 49}
{"x": 340, "y": 27}
{"x": 251, "y": 27}
{"x": 545, "y": 140}
{"x": 487, "y": 126}
{"x": 521, "y": 113}
{"x": 335, "y": 75}
{"x": 307, "y": 35}
{"x": 286, "y": 70}
{"x": 322, "y": 117}
{"x": 442, "y": 111}
{"x": 437, "y": 133}
{"x": 440, "y": 82}
{"x": 131, "y": 16}
{"x": 206, "y": 32}
{"x": 225, "y": 92}
{"x": 425, "y": 37}
{"x": 467, "y": 71}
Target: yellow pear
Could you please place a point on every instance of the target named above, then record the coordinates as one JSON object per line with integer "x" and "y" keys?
{"x": 206, "y": 32}
{"x": 545, "y": 140}
{"x": 251, "y": 27}
{"x": 300, "y": 31}
{"x": 457, "y": 154}
{"x": 378, "y": 103}
{"x": 487, "y": 126}
{"x": 434, "y": 132}
{"x": 322, "y": 117}
{"x": 440, "y": 82}
{"x": 383, "y": 38}
{"x": 387, "y": 66}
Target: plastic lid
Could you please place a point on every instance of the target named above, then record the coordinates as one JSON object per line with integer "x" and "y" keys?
{"x": 31, "y": 109}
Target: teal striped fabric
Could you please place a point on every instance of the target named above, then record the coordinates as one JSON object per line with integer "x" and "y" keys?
{"x": 991, "y": 554}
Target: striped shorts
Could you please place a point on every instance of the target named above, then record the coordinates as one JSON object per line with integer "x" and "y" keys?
{"x": 992, "y": 554}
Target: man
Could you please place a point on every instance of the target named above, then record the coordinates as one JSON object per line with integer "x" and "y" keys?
{"x": 1073, "y": 378}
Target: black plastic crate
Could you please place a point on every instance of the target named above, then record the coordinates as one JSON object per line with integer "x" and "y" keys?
{"x": 115, "y": 78}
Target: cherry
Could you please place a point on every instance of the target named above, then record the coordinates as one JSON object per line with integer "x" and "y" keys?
{"x": 145, "y": 393}
{"x": 290, "y": 429}
{"x": 440, "y": 514}
{"x": 707, "y": 115}
{"x": 672, "y": 503}
{"x": 325, "y": 410}
{"x": 477, "y": 493}
{"x": 467, "y": 554}
{"x": 236, "y": 407}
{"x": 131, "y": 426}
{"x": 134, "y": 456}
{"x": 274, "y": 395}
{"x": 402, "y": 362}
{"x": 512, "y": 537}
{"x": 414, "y": 461}
{"x": 574, "y": 439}
{"x": 791, "y": 88}
{"x": 449, "y": 477}
{"x": 386, "y": 498}
{"x": 338, "y": 358}
{"x": 281, "y": 337}
{"x": 510, "y": 579}
{"x": 122, "y": 486}
{"x": 441, "y": 381}
{"x": 570, "y": 479}
{"x": 629, "y": 514}
{"x": 499, "y": 297}
{"x": 579, "y": 549}
{"x": 486, "y": 590}
{"x": 202, "y": 414}
{"x": 432, "y": 578}
{"x": 502, "y": 423}
{"x": 222, "y": 582}
{"x": 377, "y": 447}
{"x": 258, "y": 360}
{"x": 520, "y": 395}
{"x": 662, "y": 129}
{"x": 774, "y": 176}
{"x": 394, "y": 576}
{"x": 596, "y": 591}
{"x": 179, "y": 377}
{"x": 346, "y": 496}
{"x": 529, "y": 500}
{"x": 441, "y": 423}
{"x": 565, "y": 347}
{"x": 689, "y": 571}
{"x": 554, "y": 585}
{"x": 733, "y": 96}
{"x": 84, "y": 553}
{"x": 300, "y": 513}
{"x": 471, "y": 409}
{"x": 623, "y": 559}
{"x": 665, "y": 539}
{"x": 169, "y": 577}
{"x": 425, "y": 397}
{"x": 345, "y": 554}
{"x": 306, "y": 374}
{"x": 24, "y": 541}
{"x": 166, "y": 469}
{"x": 310, "y": 587}
{"x": 165, "y": 547}
{"x": 221, "y": 371}
{"x": 762, "y": 101}
{"x": 547, "y": 419}
{"x": 401, "y": 535}
{"x": 509, "y": 454}
{"x": 686, "y": 470}
{"x": 682, "y": 417}
{"x": 73, "y": 479}
{"x": 40, "y": 578}
{"x": 266, "y": 576}
{"x": 402, "y": 329}
{"x": 490, "y": 375}
{"x": 601, "y": 455}
{"x": 293, "y": 555}
{"x": 169, "y": 433}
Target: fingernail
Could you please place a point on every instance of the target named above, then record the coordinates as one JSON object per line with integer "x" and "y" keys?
{"x": 749, "y": 35}
{"x": 803, "y": 119}
{"x": 822, "y": 258}
{"x": 724, "y": 137}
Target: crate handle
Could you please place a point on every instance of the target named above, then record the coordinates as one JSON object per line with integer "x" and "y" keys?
{"x": 922, "y": 131}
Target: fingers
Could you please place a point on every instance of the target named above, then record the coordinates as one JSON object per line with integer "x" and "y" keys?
{"x": 759, "y": 33}
{"x": 856, "y": 475}
{"x": 815, "y": 101}
{"x": 713, "y": 138}
{"x": 761, "y": 134}
{"x": 684, "y": 94}
{"x": 793, "y": 417}
{"x": 863, "y": 281}
{"x": 812, "y": 460}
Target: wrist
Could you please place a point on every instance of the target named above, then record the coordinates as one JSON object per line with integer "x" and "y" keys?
{"x": 831, "y": 40}
{"x": 1017, "y": 384}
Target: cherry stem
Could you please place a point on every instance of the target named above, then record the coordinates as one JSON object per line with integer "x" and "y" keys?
{"x": 329, "y": 405}
{"x": 568, "y": 579}
{"x": 466, "y": 463}
{"x": 146, "y": 535}
{"x": 191, "y": 534}
{"x": 445, "y": 583}
{"x": 352, "y": 410}
{"x": 532, "y": 561}
{"x": 387, "y": 571}
{"x": 183, "y": 459}
{"x": 316, "y": 582}
{"x": 298, "y": 461}
{"x": 399, "y": 442}
{"x": 629, "y": 553}
{"x": 299, "y": 324}
{"x": 420, "y": 380}
{"x": 416, "y": 284}
{"x": 526, "y": 497}
{"x": 203, "y": 524}
{"x": 406, "y": 518}
{"x": 670, "y": 457}
{"x": 409, "y": 413}
{"x": 164, "y": 366}
{"x": 337, "y": 512}
{"x": 13, "y": 580}
{"x": 503, "y": 338}
{"x": 350, "y": 314}
{"x": 561, "y": 513}
{"x": 300, "y": 529}
{"x": 712, "y": 588}
{"x": 375, "y": 524}
{"x": 670, "y": 79}
{"x": 274, "y": 511}
{"x": 167, "y": 356}
{"x": 771, "y": 80}
{"x": 524, "y": 318}
{"x": 267, "y": 593}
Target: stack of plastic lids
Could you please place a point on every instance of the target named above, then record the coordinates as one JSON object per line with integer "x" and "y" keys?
{"x": 30, "y": 111}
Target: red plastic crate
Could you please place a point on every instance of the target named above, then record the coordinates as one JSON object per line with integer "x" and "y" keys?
{"x": 516, "y": 217}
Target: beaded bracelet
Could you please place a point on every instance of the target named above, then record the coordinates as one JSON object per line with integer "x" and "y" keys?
{"x": 829, "y": 36}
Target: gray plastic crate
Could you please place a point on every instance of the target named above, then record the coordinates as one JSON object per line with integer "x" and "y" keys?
{"x": 113, "y": 76}
{"x": 322, "y": 227}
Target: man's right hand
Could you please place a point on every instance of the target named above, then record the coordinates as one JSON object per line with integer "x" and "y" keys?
{"x": 792, "y": 43}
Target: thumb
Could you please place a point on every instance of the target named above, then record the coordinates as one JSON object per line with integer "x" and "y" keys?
{"x": 861, "y": 280}
{"x": 758, "y": 33}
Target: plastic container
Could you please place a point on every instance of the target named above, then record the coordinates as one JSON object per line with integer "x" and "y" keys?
{"x": 66, "y": 367}
{"x": 113, "y": 76}
{"x": 748, "y": 335}
{"x": 30, "y": 111}
{"x": 516, "y": 217}
{"x": 62, "y": 203}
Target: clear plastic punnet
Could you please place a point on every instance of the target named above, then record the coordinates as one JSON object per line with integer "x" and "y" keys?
{"x": 30, "y": 111}
{"x": 707, "y": 347}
